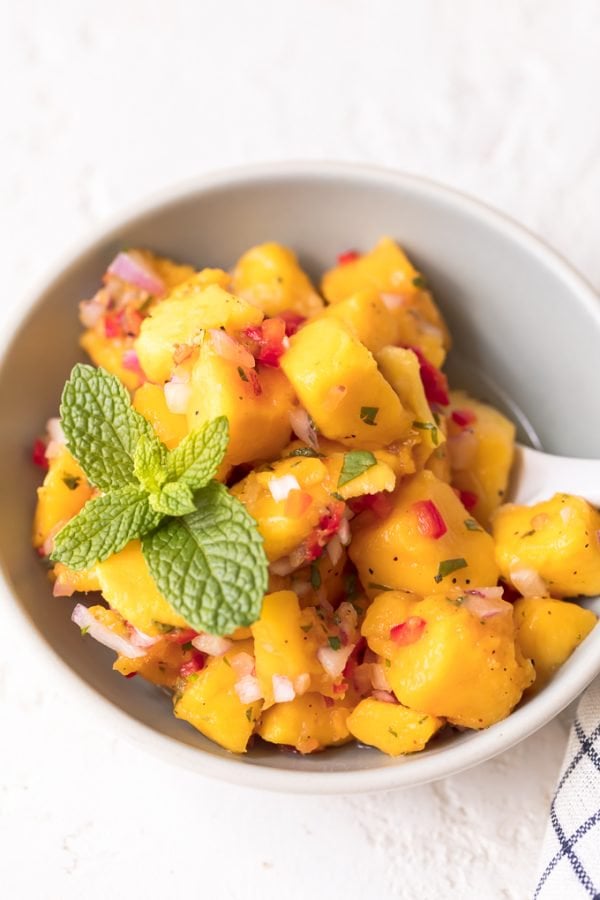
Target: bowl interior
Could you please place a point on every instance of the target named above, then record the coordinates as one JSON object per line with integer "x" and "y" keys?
{"x": 516, "y": 314}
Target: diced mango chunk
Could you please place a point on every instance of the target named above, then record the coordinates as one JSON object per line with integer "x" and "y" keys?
{"x": 286, "y": 640}
{"x": 548, "y": 631}
{"x": 307, "y": 723}
{"x": 269, "y": 277}
{"x": 257, "y": 408}
{"x": 338, "y": 383}
{"x": 210, "y": 703}
{"x": 394, "y": 552}
{"x": 392, "y": 728}
{"x": 447, "y": 661}
{"x": 401, "y": 369}
{"x": 556, "y": 539}
{"x": 171, "y": 428}
{"x": 180, "y": 319}
{"x": 285, "y": 523}
{"x": 108, "y": 353}
{"x": 64, "y": 492}
{"x": 481, "y": 444}
{"x": 128, "y": 587}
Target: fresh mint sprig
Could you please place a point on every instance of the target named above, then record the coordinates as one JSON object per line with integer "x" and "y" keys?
{"x": 201, "y": 546}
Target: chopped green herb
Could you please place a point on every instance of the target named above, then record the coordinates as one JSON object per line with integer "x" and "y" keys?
{"x": 379, "y": 587}
{"x": 226, "y": 661}
{"x": 447, "y": 566}
{"x": 436, "y": 418}
{"x": 249, "y": 714}
{"x": 419, "y": 282}
{"x": 306, "y": 451}
{"x": 315, "y": 575}
{"x": 472, "y": 525}
{"x": 188, "y": 646}
{"x": 163, "y": 627}
{"x": 334, "y": 642}
{"x": 350, "y": 585}
{"x": 429, "y": 426}
{"x": 306, "y": 628}
{"x": 72, "y": 481}
{"x": 368, "y": 414}
{"x": 421, "y": 720}
{"x": 85, "y": 630}
{"x": 355, "y": 463}
{"x": 242, "y": 374}
{"x": 337, "y": 496}
{"x": 388, "y": 663}
{"x": 391, "y": 731}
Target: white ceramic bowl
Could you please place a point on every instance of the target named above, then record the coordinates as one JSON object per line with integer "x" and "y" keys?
{"x": 516, "y": 311}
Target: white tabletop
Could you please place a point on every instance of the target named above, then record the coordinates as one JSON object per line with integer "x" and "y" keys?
{"x": 104, "y": 103}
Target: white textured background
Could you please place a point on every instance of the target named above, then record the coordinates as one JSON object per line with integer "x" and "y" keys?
{"x": 102, "y": 103}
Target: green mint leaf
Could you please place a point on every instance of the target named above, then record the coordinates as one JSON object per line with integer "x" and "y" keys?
{"x": 101, "y": 426}
{"x": 368, "y": 414}
{"x": 174, "y": 499}
{"x": 210, "y": 565}
{"x": 355, "y": 463}
{"x": 447, "y": 566}
{"x": 149, "y": 461}
{"x": 103, "y": 527}
{"x": 196, "y": 460}
{"x": 429, "y": 426}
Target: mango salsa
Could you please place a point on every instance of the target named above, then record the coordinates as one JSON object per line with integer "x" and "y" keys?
{"x": 356, "y": 573}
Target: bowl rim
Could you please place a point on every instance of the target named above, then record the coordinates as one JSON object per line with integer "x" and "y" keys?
{"x": 404, "y": 772}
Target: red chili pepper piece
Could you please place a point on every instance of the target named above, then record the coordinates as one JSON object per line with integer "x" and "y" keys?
{"x": 355, "y": 658}
{"x": 131, "y": 675}
{"x": 463, "y": 417}
{"x": 181, "y": 637}
{"x": 408, "y": 632}
{"x": 429, "y": 519}
{"x": 269, "y": 337}
{"x": 435, "y": 382}
{"x": 292, "y": 320}
{"x": 329, "y": 524}
{"x": 38, "y": 454}
{"x": 195, "y": 664}
{"x": 347, "y": 257}
{"x": 468, "y": 499}
{"x": 380, "y": 504}
{"x": 112, "y": 325}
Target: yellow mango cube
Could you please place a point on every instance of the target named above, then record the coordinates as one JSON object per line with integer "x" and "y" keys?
{"x": 395, "y": 553}
{"x": 337, "y": 381}
{"x": 257, "y": 408}
{"x": 400, "y": 367}
{"x": 308, "y": 723}
{"x": 128, "y": 587}
{"x": 210, "y": 703}
{"x": 556, "y": 539}
{"x": 449, "y": 662}
{"x": 108, "y": 353}
{"x": 548, "y": 631}
{"x": 190, "y": 308}
{"x": 284, "y": 524}
{"x": 171, "y": 428}
{"x": 286, "y": 640}
{"x": 64, "y": 492}
{"x": 269, "y": 277}
{"x": 483, "y": 457}
{"x": 392, "y": 728}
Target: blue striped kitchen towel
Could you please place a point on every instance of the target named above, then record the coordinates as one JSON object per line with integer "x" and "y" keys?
{"x": 570, "y": 861}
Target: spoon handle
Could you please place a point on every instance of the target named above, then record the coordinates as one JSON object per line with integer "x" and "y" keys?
{"x": 538, "y": 476}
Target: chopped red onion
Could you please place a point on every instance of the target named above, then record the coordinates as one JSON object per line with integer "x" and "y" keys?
{"x": 283, "y": 689}
{"x": 302, "y": 427}
{"x": 177, "y": 396}
{"x": 83, "y": 617}
{"x": 228, "y": 348}
{"x": 243, "y": 664}
{"x": 485, "y": 603}
{"x": 212, "y": 644}
{"x": 384, "y": 696}
{"x": 134, "y": 269}
{"x": 334, "y": 661}
{"x": 334, "y": 549}
{"x": 248, "y": 689}
{"x": 281, "y": 487}
{"x": 529, "y": 583}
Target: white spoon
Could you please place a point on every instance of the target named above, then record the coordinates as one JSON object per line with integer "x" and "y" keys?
{"x": 538, "y": 476}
